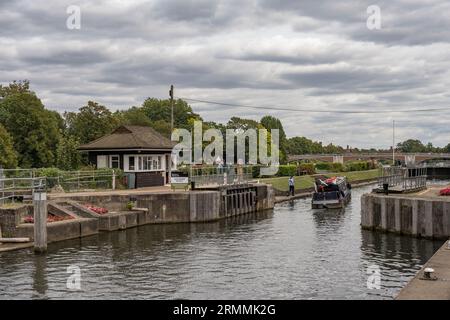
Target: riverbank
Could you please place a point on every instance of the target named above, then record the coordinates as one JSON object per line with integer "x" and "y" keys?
{"x": 307, "y": 194}
{"x": 306, "y": 183}
{"x": 436, "y": 289}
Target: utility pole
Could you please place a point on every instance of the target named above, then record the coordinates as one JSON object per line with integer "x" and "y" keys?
{"x": 171, "y": 107}
{"x": 393, "y": 142}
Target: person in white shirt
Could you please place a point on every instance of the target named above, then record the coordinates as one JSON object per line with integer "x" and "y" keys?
{"x": 291, "y": 186}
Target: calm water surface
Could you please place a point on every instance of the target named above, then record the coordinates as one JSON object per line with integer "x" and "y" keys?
{"x": 291, "y": 253}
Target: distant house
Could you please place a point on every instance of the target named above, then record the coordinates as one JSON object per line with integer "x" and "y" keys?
{"x": 141, "y": 152}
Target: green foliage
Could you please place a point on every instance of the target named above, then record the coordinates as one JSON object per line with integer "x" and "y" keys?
{"x": 91, "y": 122}
{"x": 67, "y": 154}
{"x": 330, "y": 166}
{"x": 15, "y": 87}
{"x": 130, "y": 205}
{"x": 358, "y": 166}
{"x": 159, "y": 111}
{"x": 134, "y": 116}
{"x": 446, "y": 148}
{"x": 411, "y": 145}
{"x": 47, "y": 172}
{"x": 271, "y": 123}
{"x": 302, "y": 145}
{"x": 241, "y": 124}
{"x": 8, "y": 156}
{"x": 287, "y": 170}
{"x": 307, "y": 181}
{"x": 308, "y": 168}
{"x": 35, "y": 130}
{"x": 416, "y": 146}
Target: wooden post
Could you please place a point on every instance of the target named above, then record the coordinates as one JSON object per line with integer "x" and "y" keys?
{"x": 114, "y": 180}
{"x": 40, "y": 221}
{"x": 2, "y": 185}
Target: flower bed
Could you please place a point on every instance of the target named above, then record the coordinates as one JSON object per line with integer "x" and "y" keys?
{"x": 50, "y": 218}
{"x": 445, "y": 192}
{"x": 98, "y": 210}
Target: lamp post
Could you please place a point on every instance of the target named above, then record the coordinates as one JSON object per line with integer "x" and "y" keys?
{"x": 171, "y": 108}
{"x": 393, "y": 142}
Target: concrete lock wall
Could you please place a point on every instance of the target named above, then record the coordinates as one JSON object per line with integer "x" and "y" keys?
{"x": 194, "y": 206}
{"x": 168, "y": 207}
{"x": 12, "y": 217}
{"x": 429, "y": 218}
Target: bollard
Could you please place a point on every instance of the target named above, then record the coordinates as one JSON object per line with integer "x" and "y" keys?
{"x": 40, "y": 221}
{"x": 113, "y": 183}
{"x": 428, "y": 274}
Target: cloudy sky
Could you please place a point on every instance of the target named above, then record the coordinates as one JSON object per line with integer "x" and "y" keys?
{"x": 292, "y": 54}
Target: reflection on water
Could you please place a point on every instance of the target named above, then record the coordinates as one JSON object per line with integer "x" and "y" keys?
{"x": 291, "y": 253}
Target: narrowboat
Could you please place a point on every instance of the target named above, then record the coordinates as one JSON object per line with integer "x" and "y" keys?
{"x": 331, "y": 193}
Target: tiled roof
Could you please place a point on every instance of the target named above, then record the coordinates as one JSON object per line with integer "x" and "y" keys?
{"x": 130, "y": 137}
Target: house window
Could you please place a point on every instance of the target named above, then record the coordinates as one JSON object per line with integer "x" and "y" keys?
{"x": 143, "y": 163}
{"x": 131, "y": 165}
{"x": 114, "y": 162}
{"x": 102, "y": 162}
{"x": 146, "y": 163}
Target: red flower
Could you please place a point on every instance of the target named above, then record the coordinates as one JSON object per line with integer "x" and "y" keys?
{"x": 98, "y": 210}
{"x": 28, "y": 219}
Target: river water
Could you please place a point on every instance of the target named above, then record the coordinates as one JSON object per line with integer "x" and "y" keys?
{"x": 292, "y": 252}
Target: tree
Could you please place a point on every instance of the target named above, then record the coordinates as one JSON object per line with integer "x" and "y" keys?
{"x": 34, "y": 129}
{"x": 14, "y": 88}
{"x": 91, "y": 122}
{"x": 8, "y": 158}
{"x": 446, "y": 148}
{"x": 67, "y": 154}
{"x": 302, "y": 145}
{"x": 135, "y": 116}
{"x": 331, "y": 148}
{"x": 159, "y": 111}
{"x": 411, "y": 146}
{"x": 241, "y": 124}
{"x": 271, "y": 123}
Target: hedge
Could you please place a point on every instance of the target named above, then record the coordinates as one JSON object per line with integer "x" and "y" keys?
{"x": 330, "y": 166}
{"x": 358, "y": 166}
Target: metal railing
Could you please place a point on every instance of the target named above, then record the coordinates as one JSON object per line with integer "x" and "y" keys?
{"x": 11, "y": 188}
{"x": 403, "y": 178}
{"x": 65, "y": 181}
{"x": 435, "y": 164}
{"x": 70, "y": 181}
{"x": 219, "y": 176}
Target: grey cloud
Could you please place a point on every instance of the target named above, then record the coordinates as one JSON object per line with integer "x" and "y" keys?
{"x": 354, "y": 81}
{"x": 185, "y": 9}
{"x": 66, "y": 57}
{"x": 309, "y": 54}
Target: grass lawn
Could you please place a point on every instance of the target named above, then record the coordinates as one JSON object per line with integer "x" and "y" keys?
{"x": 304, "y": 182}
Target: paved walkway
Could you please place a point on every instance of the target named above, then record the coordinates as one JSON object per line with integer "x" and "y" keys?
{"x": 162, "y": 189}
{"x": 14, "y": 246}
{"x": 439, "y": 289}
